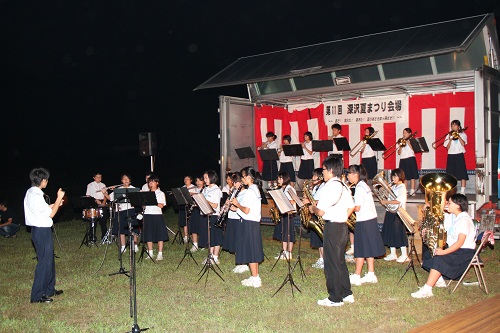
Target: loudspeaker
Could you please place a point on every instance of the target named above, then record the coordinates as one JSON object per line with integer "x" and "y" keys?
{"x": 147, "y": 144}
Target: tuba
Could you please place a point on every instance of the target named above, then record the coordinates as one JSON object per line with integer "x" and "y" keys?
{"x": 308, "y": 220}
{"x": 383, "y": 191}
{"x": 432, "y": 230}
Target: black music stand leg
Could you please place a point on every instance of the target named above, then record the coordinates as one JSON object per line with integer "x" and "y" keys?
{"x": 413, "y": 251}
{"x": 282, "y": 252}
{"x": 120, "y": 255}
{"x": 187, "y": 250}
{"x": 209, "y": 261}
{"x": 178, "y": 234}
{"x": 144, "y": 249}
{"x": 299, "y": 261}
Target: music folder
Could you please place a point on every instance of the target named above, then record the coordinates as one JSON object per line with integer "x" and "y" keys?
{"x": 293, "y": 150}
{"x": 295, "y": 197}
{"x": 281, "y": 201}
{"x": 203, "y": 204}
{"x": 186, "y": 195}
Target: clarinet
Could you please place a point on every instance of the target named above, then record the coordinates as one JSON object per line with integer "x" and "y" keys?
{"x": 226, "y": 207}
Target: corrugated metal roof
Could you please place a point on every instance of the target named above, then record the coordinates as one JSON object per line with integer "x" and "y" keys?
{"x": 380, "y": 48}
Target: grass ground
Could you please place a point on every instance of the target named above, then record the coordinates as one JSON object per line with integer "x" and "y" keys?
{"x": 171, "y": 300}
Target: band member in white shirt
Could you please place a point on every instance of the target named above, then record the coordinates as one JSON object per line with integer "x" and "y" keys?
{"x": 307, "y": 160}
{"x": 182, "y": 217}
{"x": 455, "y": 164}
{"x": 94, "y": 190}
{"x": 408, "y": 162}
{"x": 286, "y": 162}
{"x": 368, "y": 158}
{"x": 270, "y": 168}
{"x": 284, "y": 231}
{"x": 336, "y": 129}
{"x": 154, "y": 229}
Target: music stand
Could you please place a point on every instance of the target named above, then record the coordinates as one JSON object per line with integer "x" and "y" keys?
{"x": 88, "y": 202}
{"x": 141, "y": 199}
{"x": 293, "y": 150}
{"x": 285, "y": 207}
{"x": 245, "y": 152}
{"x": 181, "y": 201}
{"x": 270, "y": 155}
{"x": 322, "y": 145}
{"x": 342, "y": 144}
{"x": 207, "y": 210}
{"x": 183, "y": 197}
{"x": 299, "y": 203}
{"x": 376, "y": 144}
{"x": 419, "y": 145}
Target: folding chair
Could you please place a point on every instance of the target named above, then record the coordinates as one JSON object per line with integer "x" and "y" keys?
{"x": 487, "y": 238}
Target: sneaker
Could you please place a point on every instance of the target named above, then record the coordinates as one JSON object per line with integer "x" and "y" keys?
{"x": 159, "y": 256}
{"x": 327, "y": 302}
{"x": 149, "y": 255}
{"x": 355, "y": 279}
{"x": 136, "y": 248}
{"x": 412, "y": 193}
{"x": 185, "y": 239}
{"x": 240, "y": 269}
{"x": 319, "y": 264}
{"x": 216, "y": 261}
{"x": 390, "y": 257}
{"x": 402, "y": 258}
{"x": 440, "y": 283}
{"x": 349, "y": 299}
{"x": 350, "y": 251}
{"x": 372, "y": 278}
{"x": 123, "y": 249}
{"x": 422, "y": 293}
{"x": 253, "y": 281}
{"x": 281, "y": 256}
{"x": 194, "y": 248}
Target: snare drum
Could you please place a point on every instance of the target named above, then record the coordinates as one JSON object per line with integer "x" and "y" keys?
{"x": 91, "y": 213}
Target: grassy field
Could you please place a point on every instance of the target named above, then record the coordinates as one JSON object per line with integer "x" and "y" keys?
{"x": 171, "y": 300}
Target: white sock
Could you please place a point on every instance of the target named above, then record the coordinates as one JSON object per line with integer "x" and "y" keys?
{"x": 427, "y": 287}
{"x": 216, "y": 257}
{"x": 352, "y": 246}
{"x": 195, "y": 244}
{"x": 441, "y": 279}
{"x": 320, "y": 259}
{"x": 356, "y": 274}
{"x": 159, "y": 253}
{"x": 462, "y": 190}
{"x": 404, "y": 252}
{"x": 123, "y": 248}
{"x": 370, "y": 273}
{"x": 393, "y": 251}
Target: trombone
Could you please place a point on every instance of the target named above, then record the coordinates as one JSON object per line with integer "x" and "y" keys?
{"x": 454, "y": 134}
{"x": 361, "y": 144}
{"x": 402, "y": 142}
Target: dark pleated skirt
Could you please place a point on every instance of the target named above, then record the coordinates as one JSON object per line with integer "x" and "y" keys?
{"x": 410, "y": 168}
{"x": 315, "y": 240}
{"x": 370, "y": 164}
{"x": 194, "y": 221}
{"x": 306, "y": 169}
{"x": 230, "y": 236}
{"x": 455, "y": 166}
{"x": 154, "y": 229}
{"x": 452, "y": 265}
{"x": 288, "y": 168}
{"x": 281, "y": 229}
{"x": 181, "y": 219}
{"x": 270, "y": 170}
{"x": 216, "y": 234}
{"x": 393, "y": 231}
{"x": 368, "y": 242}
{"x": 120, "y": 224}
{"x": 249, "y": 247}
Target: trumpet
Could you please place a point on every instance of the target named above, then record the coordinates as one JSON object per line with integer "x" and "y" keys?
{"x": 454, "y": 135}
{"x": 361, "y": 144}
{"x": 401, "y": 142}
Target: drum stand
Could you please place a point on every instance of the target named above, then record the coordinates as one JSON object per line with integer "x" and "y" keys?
{"x": 88, "y": 240}
{"x": 413, "y": 251}
{"x": 209, "y": 260}
{"x": 299, "y": 262}
{"x": 289, "y": 277}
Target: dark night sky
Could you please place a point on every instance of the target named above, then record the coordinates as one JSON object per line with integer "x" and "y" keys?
{"x": 80, "y": 80}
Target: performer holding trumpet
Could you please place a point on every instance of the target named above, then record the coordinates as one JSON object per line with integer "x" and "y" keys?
{"x": 368, "y": 158}
{"x": 455, "y": 143}
{"x": 408, "y": 162}
{"x": 336, "y": 129}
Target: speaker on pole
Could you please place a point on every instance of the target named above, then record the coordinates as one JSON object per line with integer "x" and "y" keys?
{"x": 147, "y": 144}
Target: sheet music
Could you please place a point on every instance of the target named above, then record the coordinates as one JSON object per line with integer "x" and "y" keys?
{"x": 295, "y": 198}
{"x": 281, "y": 201}
{"x": 203, "y": 204}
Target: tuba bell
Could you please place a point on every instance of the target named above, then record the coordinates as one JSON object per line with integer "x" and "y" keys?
{"x": 436, "y": 186}
{"x": 383, "y": 191}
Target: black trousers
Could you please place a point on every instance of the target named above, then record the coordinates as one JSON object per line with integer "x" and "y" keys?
{"x": 45, "y": 271}
{"x": 336, "y": 272}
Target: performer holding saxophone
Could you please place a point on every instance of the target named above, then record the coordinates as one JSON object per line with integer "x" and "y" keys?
{"x": 369, "y": 243}
{"x": 452, "y": 261}
{"x": 284, "y": 230}
{"x": 315, "y": 240}
{"x": 335, "y": 204}
{"x": 455, "y": 143}
{"x": 408, "y": 162}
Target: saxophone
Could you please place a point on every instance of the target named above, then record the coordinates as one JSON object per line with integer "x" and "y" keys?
{"x": 351, "y": 220}
{"x": 308, "y": 220}
{"x": 432, "y": 229}
{"x": 275, "y": 214}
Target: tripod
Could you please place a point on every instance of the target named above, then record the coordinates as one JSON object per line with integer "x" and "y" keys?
{"x": 413, "y": 250}
{"x": 108, "y": 238}
{"x": 299, "y": 261}
{"x": 288, "y": 277}
{"x": 89, "y": 238}
{"x": 209, "y": 260}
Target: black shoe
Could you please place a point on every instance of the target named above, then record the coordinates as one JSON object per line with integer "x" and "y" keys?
{"x": 44, "y": 299}
{"x": 56, "y": 293}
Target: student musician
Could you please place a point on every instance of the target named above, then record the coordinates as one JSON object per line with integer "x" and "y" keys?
{"x": 270, "y": 168}
{"x": 451, "y": 262}
{"x": 455, "y": 164}
{"x": 307, "y": 160}
{"x": 284, "y": 231}
{"x": 249, "y": 248}
{"x": 94, "y": 190}
{"x": 213, "y": 194}
{"x": 394, "y": 230}
{"x": 336, "y": 129}
{"x": 369, "y": 243}
{"x": 314, "y": 239}
{"x": 334, "y": 204}
{"x": 153, "y": 229}
{"x": 368, "y": 158}
{"x": 196, "y": 218}
{"x": 228, "y": 187}
{"x": 286, "y": 162}
{"x": 145, "y": 187}
{"x": 125, "y": 211}
{"x": 182, "y": 217}
{"x": 408, "y": 162}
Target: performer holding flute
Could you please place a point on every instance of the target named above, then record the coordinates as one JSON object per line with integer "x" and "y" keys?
{"x": 307, "y": 160}
{"x": 249, "y": 248}
{"x": 270, "y": 168}
{"x": 369, "y": 243}
{"x": 408, "y": 162}
{"x": 154, "y": 230}
{"x": 286, "y": 162}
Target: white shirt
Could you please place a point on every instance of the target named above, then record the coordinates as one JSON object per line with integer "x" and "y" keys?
{"x": 145, "y": 188}
{"x": 334, "y": 149}
{"x": 456, "y": 147}
{"x": 94, "y": 190}
{"x": 234, "y": 214}
{"x": 363, "y": 198}
{"x": 334, "y": 199}
{"x": 226, "y": 189}
{"x": 460, "y": 224}
{"x": 252, "y": 200}
{"x": 307, "y": 156}
{"x": 400, "y": 192}
{"x": 367, "y": 152}
{"x": 213, "y": 194}
{"x": 122, "y": 205}
{"x": 284, "y": 158}
{"x": 155, "y": 210}
{"x": 406, "y": 151}
{"x": 272, "y": 145}
{"x": 36, "y": 210}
